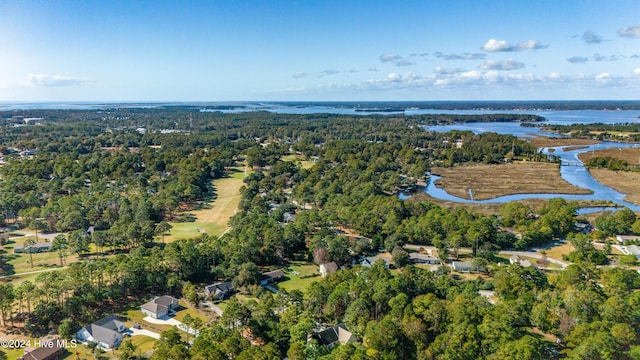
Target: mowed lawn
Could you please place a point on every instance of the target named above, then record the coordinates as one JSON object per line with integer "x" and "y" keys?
{"x": 212, "y": 219}
{"x": 300, "y": 275}
{"x": 22, "y": 262}
{"x": 305, "y": 164}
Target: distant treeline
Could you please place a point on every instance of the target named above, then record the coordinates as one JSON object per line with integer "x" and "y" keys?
{"x": 600, "y": 131}
{"x": 433, "y": 119}
{"x": 480, "y": 105}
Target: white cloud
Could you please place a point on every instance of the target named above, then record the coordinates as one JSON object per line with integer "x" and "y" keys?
{"x": 636, "y": 71}
{"x": 390, "y": 58}
{"x": 508, "y": 64}
{"x": 300, "y": 74}
{"x": 47, "y": 80}
{"x": 531, "y": 45}
{"x": 578, "y": 59}
{"x": 394, "y": 77}
{"x": 462, "y": 56}
{"x": 493, "y": 45}
{"x": 630, "y": 32}
{"x": 590, "y": 37}
{"x": 603, "y": 76}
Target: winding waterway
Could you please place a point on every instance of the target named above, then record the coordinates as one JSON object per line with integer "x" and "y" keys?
{"x": 572, "y": 170}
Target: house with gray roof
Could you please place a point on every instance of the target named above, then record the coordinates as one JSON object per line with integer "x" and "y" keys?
{"x": 271, "y": 277}
{"x": 35, "y": 248}
{"x": 462, "y": 266}
{"x": 107, "y": 336}
{"x": 160, "y": 307}
{"x": 333, "y": 336}
{"x": 219, "y": 290}
{"x": 328, "y": 268}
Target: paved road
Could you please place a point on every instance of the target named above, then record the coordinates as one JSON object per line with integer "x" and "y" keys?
{"x": 33, "y": 272}
{"x": 48, "y": 236}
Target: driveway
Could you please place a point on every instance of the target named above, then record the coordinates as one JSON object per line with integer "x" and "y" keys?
{"x": 216, "y": 309}
{"x": 172, "y": 322}
{"x": 143, "y": 332}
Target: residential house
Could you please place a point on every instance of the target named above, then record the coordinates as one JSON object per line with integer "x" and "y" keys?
{"x": 423, "y": 258}
{"x": 461, "y": 266}
{"x": 107, "y": 336}
{"x": 50, "y": 349}
{"x": 623, "y": 239}
{"x": 333, "y": 336}
{"x": 160, "y": 307}
{"x": 328, "y": 268}
{"x": 271, "y": 277}
{"x": 515, "y": 259}
{"x": 35, "y": 248}
{"x": 368, "y": 261}
{"x": 220, "y": 290}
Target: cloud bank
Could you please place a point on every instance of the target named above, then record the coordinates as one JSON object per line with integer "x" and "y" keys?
{"x": 46, "y": 80}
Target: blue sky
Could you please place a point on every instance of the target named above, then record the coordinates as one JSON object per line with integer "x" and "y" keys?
{"x": 318, "y": 50}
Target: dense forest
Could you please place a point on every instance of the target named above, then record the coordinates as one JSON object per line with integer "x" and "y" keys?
{"x": 127, "y": 172}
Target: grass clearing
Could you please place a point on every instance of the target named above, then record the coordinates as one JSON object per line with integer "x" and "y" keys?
{"x": 300, "y": 275}
{"x": 630, "y": 155}
{"x": 212, "y": 219}
{"x": 556, "y": 252}
{"x": 305, "y": 164}
{"x": 194, "y": 313}
{"x": 625, "y": 182}
{"x": 491, "y": 181}
{"x": 544, "y": 141}
{"x": 143, "y": 343}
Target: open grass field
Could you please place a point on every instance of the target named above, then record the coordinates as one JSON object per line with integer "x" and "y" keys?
{"x": 300, "y": 275}
{"x": 212, "y": 219}
{"x": 491, "y": 181}
{"x": 630, "y": 155}
{"x": 22, "y": 262}
{"x": 305, "y": 164}
{"x": 626, "y": 182}
{"x": 544, "y": 141}
{"x": 556, "y": 252}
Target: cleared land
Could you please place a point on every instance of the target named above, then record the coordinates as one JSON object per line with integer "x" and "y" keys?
{"x": 543, "y": 141}
{"x": 626, "y": 182}
{"x": 212, "y": 219}
{"x": 630, "y": 155}
{"x": 491, "y": 181}
{"x": 305, "y": 164}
